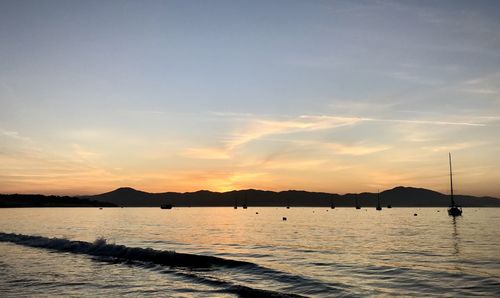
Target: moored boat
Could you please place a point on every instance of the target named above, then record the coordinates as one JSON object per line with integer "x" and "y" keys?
{"x": 454, "y": 209}
{"x": 166, "y": 206}
{"x": 378, "y": 202}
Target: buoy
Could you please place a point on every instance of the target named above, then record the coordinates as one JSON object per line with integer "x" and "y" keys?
{"x": 414, "y": 214}
{"x": 284, "y": 218}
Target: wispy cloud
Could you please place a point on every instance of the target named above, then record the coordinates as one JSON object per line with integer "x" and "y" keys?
{"x": 355, "y": 120}
{"x": 483, "y": 91}
{"x": 14, "y": 135}
{"x": 260, "y": 128}
{"x": 83, "y": 153}
{"x": 483, "y": 85}
{"x": 292, "y": 164}
{"x": 453, "y": 147}
{"x": 411, "y": 77}
{"x": 356, "y": 149}
{"x": 343, "y": 148}
{"x": 428, "y": 122}
{"x": 488, "y": 119}
{"x": 255, "y": 128}
{"x": 207, "y": 153}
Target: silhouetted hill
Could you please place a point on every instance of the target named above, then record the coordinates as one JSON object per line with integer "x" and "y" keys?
{"x": 129, "y": 197}
{"x": 398, "y": 197}
{"x": 18, "y": 200}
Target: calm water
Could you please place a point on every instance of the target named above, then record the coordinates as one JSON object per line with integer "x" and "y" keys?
{"x": 316, "y": 252}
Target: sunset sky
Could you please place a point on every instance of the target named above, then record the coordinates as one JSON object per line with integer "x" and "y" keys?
{"x": 334, "y": 96}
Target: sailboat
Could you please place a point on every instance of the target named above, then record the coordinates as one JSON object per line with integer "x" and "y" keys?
{"x": 244, "y": 200}
{"x": 378, "y": 202}
{"x": 357, "y": 204}
{"x": 454, "y": 209}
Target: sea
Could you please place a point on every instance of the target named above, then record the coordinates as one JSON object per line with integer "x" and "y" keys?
{"x": 254, "y": 252}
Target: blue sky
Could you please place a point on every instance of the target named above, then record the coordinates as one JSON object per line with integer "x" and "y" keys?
{"x": 337, "y": 96}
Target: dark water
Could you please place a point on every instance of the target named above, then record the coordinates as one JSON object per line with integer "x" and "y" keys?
{"x": 218, "y": 252}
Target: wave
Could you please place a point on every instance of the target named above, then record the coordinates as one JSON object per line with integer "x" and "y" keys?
{"x": 108, "y": 252}
{"x": 102, "y": 249}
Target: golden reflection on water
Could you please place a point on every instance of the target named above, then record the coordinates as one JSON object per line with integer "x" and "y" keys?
{"x": 455, "y": 235}
{"x": 363, "y": 247}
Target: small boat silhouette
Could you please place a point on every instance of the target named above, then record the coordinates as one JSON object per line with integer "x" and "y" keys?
{"x": 454, "y": 209}
{"x": 166, "y": 206}
{"x": 244, "y": 200}
{"x": 378, "y": 202}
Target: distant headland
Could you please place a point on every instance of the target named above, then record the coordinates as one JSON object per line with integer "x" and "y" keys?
{"x": 397, "y": 197}
{"x": 128, "y": 197}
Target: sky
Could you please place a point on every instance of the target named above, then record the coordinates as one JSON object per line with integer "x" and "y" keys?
{"x": 331, "y": 96}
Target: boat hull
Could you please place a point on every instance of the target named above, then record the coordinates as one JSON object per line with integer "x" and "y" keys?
{"x": 454, "y": 211}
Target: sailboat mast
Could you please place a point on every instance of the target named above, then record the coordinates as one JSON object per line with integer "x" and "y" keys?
{"x": 451, "y": 182}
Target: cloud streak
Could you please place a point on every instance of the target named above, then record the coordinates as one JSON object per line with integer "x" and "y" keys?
{"x": 207, "y": 153}
{"x": 428, "y": 122}
{"x": 256, "y": 128}
{"x": 356, "y": 150}
{"x": 14, "y": 135}
{"x": 260, "y": 128}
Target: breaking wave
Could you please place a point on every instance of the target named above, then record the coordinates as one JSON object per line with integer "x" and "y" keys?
{"x": 103, "y": 249}
{"x": 106, "y": 251}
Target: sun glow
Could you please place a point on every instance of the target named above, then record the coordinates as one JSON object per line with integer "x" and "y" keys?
{"x": 301, "y": 98}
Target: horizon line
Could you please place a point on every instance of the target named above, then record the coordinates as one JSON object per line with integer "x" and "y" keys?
{"x": 247, "y": 189}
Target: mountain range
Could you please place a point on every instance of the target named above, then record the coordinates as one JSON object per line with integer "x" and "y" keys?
{"x": 397, "y": 197}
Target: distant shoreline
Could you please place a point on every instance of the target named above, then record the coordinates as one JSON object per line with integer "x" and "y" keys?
{"x": 250, "y": 207}
{"x": 128, "y": 197}
{"x": 41, "y": 201}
